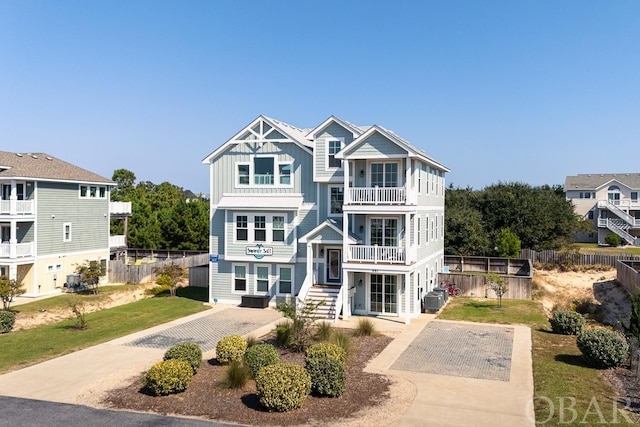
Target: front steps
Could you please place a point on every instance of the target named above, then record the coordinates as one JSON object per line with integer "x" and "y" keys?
{"x": 328, "y": 295}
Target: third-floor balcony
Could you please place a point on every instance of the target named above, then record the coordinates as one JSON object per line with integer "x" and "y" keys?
{"x": 120, "y": 208}
{"x": 375, "y": 254}
{"x": 377, "y": 196}
{"x": 17, "y": 207}
{"x": 16, "y": 250}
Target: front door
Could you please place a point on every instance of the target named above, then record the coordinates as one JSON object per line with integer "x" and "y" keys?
{"x": 334, "y": 265}
{"x": 383, "y": 294}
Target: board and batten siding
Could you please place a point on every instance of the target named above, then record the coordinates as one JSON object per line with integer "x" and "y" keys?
{"x": 58, "y": 204}
{"x": 320, "y": 152}
{"x": 224, "y": 179}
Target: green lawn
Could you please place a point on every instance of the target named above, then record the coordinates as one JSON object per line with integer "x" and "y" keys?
{"x": 559, "y": 373}
{"x": 30, "y": 346}
{"x": 593, "y": 248}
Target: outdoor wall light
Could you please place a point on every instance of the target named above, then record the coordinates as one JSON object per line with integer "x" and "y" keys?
{"x": 322, "y": 252}
{"x": 361, "y": 173}
{"x": 360, "y": 282}
{"x": 53, "y": 216}
{"x": 362, "y": 228}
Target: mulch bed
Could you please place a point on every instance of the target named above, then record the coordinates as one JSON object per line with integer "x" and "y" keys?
{"x": 207, "y": 398}
{"x": 627, "y": 385}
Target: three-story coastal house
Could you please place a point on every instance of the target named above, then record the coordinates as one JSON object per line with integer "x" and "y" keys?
{"x": 349, "y": 214}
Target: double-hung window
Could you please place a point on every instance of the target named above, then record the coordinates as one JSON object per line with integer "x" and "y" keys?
{"x": 66, "y": 232}
{"x": 285, "y": 280}
{"x": 243, "y": 174}
{"x": 336, "y": 199}
{"x": 277, "y": 226}
{"x": 284, "y": 171}
{"x": 262, "y": 279}
{"x": 333, "y": 147}
{"x": 240, "y": 278}
{"x": 260, "y": 228}
{"x": 242, "y": 227}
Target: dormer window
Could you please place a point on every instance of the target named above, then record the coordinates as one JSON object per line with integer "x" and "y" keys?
{"x": 334, "y": 145}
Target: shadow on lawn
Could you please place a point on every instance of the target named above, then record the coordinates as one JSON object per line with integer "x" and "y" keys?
{"x": 571, "y": 359}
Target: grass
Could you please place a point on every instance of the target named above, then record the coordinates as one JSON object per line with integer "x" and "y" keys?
{"x": 560, "y": 375}
{"x": 30, "y": 346}
{"x": 593, "y": 248}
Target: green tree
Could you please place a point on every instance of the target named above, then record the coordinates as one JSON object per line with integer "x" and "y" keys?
{"x": 498, "y": 285}
{"x": 9, "y": 289}
{"x": 508, "y": 244}
{"x": 170, "y": 276}
{"x": 90, "y": 274}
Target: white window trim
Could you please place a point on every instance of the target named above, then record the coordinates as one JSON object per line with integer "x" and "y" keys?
{"x": 326, "y": 152}
{"x": 378, "y": 162}
{"x": 293, "y": 272}
{"x": 276, "y": 173}
{"x": 255, "y": 279}
{"x": 329, "y": 213}
{"x": 268, "y": 230}
{"x": 64, "y": 233}
{"x": 89, "y": 196}
{"x": 233, "y": 278}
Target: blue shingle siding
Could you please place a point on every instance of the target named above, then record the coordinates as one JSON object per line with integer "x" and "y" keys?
{"x": 320, "y": 151}
{"x": 376, "y": 145}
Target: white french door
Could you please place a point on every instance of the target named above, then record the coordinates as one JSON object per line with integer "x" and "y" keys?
{"x": 383, "y": 294}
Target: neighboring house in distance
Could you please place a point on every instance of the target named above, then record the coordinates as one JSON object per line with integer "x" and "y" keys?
{"x": 347, "y": 214}
{"x": 53, "y": 216}
{"x": 610, "y": 202}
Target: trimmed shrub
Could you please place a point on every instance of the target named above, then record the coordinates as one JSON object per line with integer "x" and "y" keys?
{"x": 259, "y": 356}
{"x": 365, "y": 327}
{"x": 566, "y": 322}
{"x": 325, "y": 349}
{"x": 236, "y": 375}
{"x": 327, "y": 376}
{"x": 187, "y": 351}
{"x": 231, "y": 348}
{"x": 282, "y": 387}
{"x": 612, "y": 239}
{"x": 169, "y": 376}
{"x": 7, "y": 320}
{"x": 603, "y": 348}
{"x": 284, "y": 337}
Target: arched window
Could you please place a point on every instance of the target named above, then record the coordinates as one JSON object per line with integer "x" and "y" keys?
{"x": 613, "y": 194}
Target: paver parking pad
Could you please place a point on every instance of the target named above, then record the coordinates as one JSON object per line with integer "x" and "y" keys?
{"x": 460, "y": 349}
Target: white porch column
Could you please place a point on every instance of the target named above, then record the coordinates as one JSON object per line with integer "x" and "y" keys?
{"x": 407, "y": 310}
{"x": 310, "y": 262}
{"x": 345, "y": 236}
{"x": 346, "y": 198}
{"x": 346, "y": 308}
{"x": 408, "y": 182}
{"x": 407, "y": 238}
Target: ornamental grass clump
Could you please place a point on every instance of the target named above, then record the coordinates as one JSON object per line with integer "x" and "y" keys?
{"x": 603, "y": 348}
{"x": 7, "y": 320}
{"x": 566, "y": 322}
{"x": 364, "y": 328}
{"x": 259, "y": 356}
{"x": 324, "y": 349}
{"x": 187, "y": 351}
{"x": 282, "y": 387}
{"x": 169, "y": 377}
{"x": 236, "y": 375}
{"x": 231, "y": 348}
{"x": 327, "y": 376}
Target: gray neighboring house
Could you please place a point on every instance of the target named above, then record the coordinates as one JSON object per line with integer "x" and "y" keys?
{"x": 53, "y": 216}
{"x": 610, "y": 202}
{"x": 350, "y": 215}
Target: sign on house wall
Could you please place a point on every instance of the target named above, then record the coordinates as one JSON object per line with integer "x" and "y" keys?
{"x": 259, "y": 251}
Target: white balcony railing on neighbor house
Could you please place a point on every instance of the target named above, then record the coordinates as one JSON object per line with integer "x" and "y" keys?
{"x": 17, "y": 207}
{"x": 377, "y": 195}
{"x": 120, "y": 208}
{"x": 375, "y": 254}
{"x": 16, "y": 250}
{"x": 117, "y": 241}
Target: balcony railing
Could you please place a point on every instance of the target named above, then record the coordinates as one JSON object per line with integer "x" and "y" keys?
{"x": 120, "y": 208}
{"x": 16, "y": 250}
{"x": 17, "y": 207}
{"x": 375, "y": 254}
{"x": 377, "y": 195}
{"x": 117, "y": 241}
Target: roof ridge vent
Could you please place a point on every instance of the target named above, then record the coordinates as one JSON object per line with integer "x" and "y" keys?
{"x": 19, "y": 154}
{"x": 34, "y": 156}
{"x": 48, "y": 158}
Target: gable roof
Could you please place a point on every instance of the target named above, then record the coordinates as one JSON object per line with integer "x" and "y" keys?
{"x": 355, "y": 130}
{"x": 594, "y": 181}
{"x": 393, "y": 137}
{"x": 296, "y": 135}
{"x": 332, "y": 224}
{"x": 43, "y": 167}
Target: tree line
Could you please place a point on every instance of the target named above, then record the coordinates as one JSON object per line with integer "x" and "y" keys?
{"x": 490, "y": 222}
{"x": 162, "y": 216}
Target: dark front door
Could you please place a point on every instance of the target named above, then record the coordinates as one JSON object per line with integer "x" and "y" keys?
{"x": 334, "y": 265}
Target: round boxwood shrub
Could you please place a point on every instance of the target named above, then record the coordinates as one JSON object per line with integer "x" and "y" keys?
{"x": 7, "y": 320}
{"x": 169, "y": 376}
{"x": 603, "y": 348}
{"x": 325, "y": 349}
{"x": 566, "y": 322}
{"x": 327, "y": 376}
{"x": 282, "y": 387}
{"x": 231, "y": 348}
{"x": 187, "y": 351}
{"x": 260, "y": 355}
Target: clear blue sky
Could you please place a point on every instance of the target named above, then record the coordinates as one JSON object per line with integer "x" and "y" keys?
{"x": 498, "y": 91}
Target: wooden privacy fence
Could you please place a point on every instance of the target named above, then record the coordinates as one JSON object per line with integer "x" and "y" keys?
{"x": 119, "y": 272}
{"x": 473, "y": 285}
{"x": 572, "y": 257}
{"x": 628, "y": 274}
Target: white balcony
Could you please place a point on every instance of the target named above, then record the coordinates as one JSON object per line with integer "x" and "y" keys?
{"x": 17, "y": 207}
{"x": 376, "y": 254}
{"x": 120, "y": 208}
{"x": 377, "y": 196}
{"x": 117, "y": 241}
{"x": 16, "y": 250}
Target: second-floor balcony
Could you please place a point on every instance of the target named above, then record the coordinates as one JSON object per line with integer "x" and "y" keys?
{"x": 375, "y": 254}
{"x": 16, "y": 250}
{"x": 117, "y": 241}
{"x": 17, "y": 207}
{"x": 377, "y": 196}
